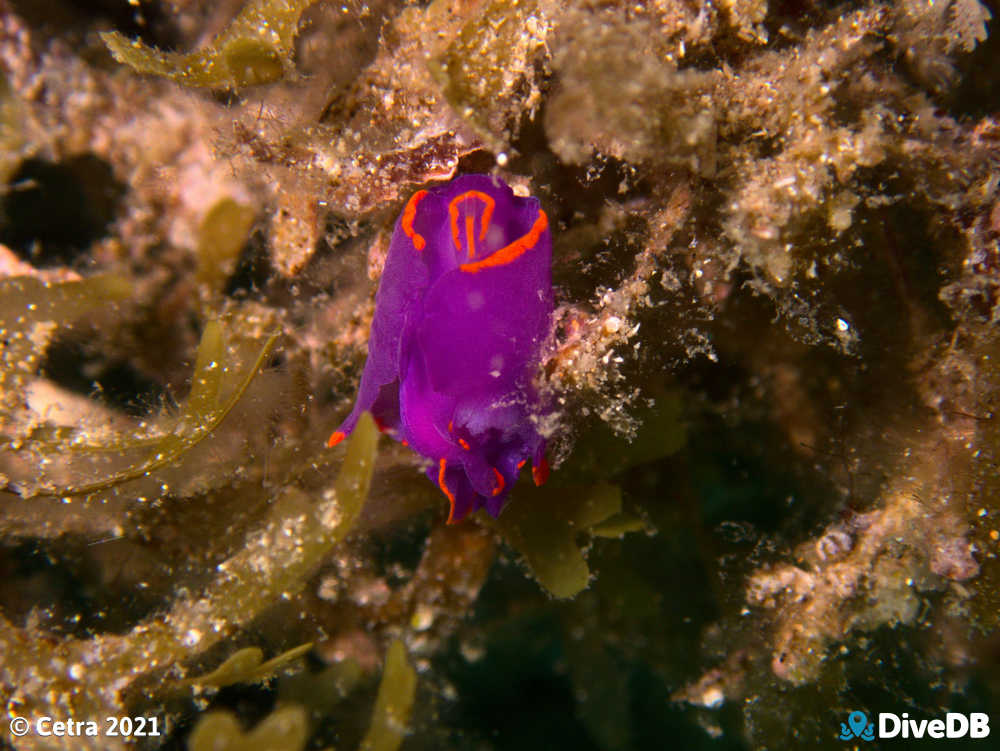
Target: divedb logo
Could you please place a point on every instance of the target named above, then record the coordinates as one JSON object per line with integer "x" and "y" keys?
{"x": 890, "y": 725}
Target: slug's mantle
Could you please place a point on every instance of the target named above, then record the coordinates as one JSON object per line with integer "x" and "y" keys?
{"x": 462, "y": 311}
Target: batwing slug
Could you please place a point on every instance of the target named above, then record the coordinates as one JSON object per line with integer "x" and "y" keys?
{"x": 461, "y": 314}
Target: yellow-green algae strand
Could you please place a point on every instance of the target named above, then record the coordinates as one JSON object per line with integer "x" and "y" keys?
{"x": 247, "y": 665}
{"x": 393, "y": 704}
{"x": 255, "y": 48}
{"x": 87, "y": 678}
{"x": 543, "y": 523}
{"x": 215, "y": 388}
{"x": 287, "y": 727}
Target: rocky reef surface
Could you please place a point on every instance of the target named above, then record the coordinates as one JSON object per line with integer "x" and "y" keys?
{"x": 775, "y": 365}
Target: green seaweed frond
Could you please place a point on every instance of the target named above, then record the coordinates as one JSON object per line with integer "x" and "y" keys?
{"x": 31, "y": 311}
{"x": 394, "y": 703}
{"x": 217, "y": 385}
{"x": 221, "y": 237}
{"x": 543, "y": 523}
{"x": 255, "y": 48}
{"x": 287, "y": 728}
{"x": 275, "y": 563}
{"x": 247, "y": 666}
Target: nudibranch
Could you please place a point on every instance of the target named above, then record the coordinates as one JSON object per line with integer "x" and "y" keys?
{"x": 462, "y": 312}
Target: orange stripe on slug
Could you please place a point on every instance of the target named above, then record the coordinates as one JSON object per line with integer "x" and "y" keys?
{"x": 540, "y": 472}
{"x": 490, "y": 204}
{"x": 444, "y": 489}
{"x": 513, "y": 251}
{"x": 463, "y": 443}
{"x": 470, "y": 222}
{"x": 336, "y": 438}
{"x": 409, "y": 214}
{"x": 521, "y": 464}
{"x": 500, "y": 482}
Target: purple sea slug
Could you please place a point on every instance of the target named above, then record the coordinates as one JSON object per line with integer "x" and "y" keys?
{"x": 461, "y": 314}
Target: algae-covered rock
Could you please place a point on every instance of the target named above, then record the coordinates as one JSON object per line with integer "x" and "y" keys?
{"x": 490, "y": 71}
{"x": 775, "y": 231}
{"x": 618, "y": 98}
{"x": 12, "y": 136}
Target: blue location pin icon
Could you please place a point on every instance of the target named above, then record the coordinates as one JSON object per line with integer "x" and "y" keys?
{"x": 858, "y": 721}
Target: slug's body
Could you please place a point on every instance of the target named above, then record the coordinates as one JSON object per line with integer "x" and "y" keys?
{"x": 462, "y": 311}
